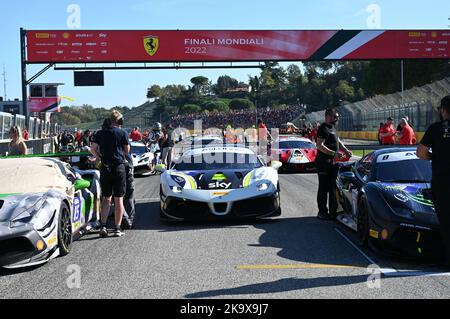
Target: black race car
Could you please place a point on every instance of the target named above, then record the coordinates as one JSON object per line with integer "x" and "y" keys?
{"x": 387, "y": 200}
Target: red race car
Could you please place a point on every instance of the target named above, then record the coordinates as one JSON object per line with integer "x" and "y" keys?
{"x": 298, "y": 154}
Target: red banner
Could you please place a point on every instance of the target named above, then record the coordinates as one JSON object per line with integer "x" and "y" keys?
{"x": 44, "y": 104}
{"x": 85, "y": 46}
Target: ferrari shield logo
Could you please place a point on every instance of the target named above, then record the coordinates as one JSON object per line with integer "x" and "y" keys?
{"x": 151, "y": 45}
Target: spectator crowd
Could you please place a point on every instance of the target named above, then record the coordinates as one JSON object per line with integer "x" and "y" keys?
{"x": 273, "y": 118}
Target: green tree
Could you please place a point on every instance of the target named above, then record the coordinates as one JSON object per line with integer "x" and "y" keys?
{"x": 190, "y": 109}
{"x": 344, "y": 91}
{"x": 238, "y": 104}
{"x": 217, "y": 106}
{"x": 68, "y": 119}
{"x": 225, "y": 83}
{"x": 154, "y": 92}
{"x": 199, "y": 82}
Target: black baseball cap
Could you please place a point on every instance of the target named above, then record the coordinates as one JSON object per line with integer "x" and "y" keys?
{"x": 390, "y": 118}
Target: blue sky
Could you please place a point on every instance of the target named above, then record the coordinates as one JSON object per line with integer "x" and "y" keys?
{"x": 129, "y": 87}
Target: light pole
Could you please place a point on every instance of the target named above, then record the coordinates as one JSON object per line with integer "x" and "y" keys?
{"x": 403, "y": 82}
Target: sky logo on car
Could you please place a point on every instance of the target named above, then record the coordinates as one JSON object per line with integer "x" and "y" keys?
{"x": 221, "y": 185}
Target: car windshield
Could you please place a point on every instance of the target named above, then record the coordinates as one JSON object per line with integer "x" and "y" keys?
{"x": 408, "y": 171}
{"x": 214, "y": 161}
{"x": 138, "y": 150}
{"x": 204, "y": 142}
{"x": 296, "y": 144}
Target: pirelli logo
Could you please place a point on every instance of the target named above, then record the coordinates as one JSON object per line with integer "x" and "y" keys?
{"x": 42, "y": 35}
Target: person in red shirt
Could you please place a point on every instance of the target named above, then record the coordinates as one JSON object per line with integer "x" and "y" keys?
{"x": 263, "y": 135}
{"x": 407, "y": 136}
{"x": 380, "y": 128}
{"x": 135, "y": 135}
{"x": 25, "y": 134}
{"x": 388, "y": 132}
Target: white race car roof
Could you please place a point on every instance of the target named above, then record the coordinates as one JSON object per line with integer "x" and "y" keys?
{"x": 294, "y": 138}
{"x": 137, "y": 144}
{"x": 218, "y": 149}
{"x": 396, "y": 157}
{"x": 207, "y": 137}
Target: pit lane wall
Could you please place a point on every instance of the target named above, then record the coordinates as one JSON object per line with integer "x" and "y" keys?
{"x": 39, "y": 146}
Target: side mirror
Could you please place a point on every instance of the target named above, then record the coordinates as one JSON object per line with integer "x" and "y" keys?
{"x": 81, "y": 184}
{"x": 160, "y": 168}
{"x": 276, "y": 165}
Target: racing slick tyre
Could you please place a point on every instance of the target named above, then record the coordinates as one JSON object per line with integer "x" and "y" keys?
{"x": 64, "y": 230}
{"x": 363, "y": 222}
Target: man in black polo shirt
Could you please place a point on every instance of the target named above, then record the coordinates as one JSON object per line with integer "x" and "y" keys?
{"x": 437, "y": 139}
{"x": 111, "y": 145}
{"x": 328, "y": 145}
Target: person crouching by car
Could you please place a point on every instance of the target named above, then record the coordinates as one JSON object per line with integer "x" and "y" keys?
{"x": 111, "y": 146}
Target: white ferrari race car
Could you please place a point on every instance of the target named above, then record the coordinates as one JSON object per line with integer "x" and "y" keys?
{"x": 220, "y": 182}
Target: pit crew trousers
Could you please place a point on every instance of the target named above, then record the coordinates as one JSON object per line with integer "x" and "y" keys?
{"x": 166, "y": 156}
{"x": 129, "y": 201}
{"x": 327, "y": 172}
{"x": 441, "y": 199}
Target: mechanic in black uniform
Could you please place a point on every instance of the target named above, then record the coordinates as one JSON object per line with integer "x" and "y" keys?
{"x": 437, "y": 138}
{"x": 328, "y": 145}
{"x": 112, "y": 146}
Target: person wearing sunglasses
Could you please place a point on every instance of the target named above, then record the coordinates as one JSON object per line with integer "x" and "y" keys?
{"x": 328, "y": 145}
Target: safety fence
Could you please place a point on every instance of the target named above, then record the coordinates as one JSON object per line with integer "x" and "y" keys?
{"x": 418, "y": 103}
{"x": 37, "y": 128}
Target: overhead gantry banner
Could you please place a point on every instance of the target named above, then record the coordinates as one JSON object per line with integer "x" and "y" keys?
{"x": 116, "y": 46}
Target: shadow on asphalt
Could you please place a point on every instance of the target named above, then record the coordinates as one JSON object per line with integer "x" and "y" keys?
{"x": 147, "y": 218}
{"x": 300, "y": 239}
{"x": 282, "y": 285}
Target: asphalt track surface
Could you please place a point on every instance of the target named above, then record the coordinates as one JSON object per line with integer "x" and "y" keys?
{"x": 293, "y": 256}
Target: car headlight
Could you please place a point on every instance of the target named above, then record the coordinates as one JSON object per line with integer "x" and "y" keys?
{"x": 263, "y": 187}
{"x": 31, "y": 206}
{"x": 177, "y": 189}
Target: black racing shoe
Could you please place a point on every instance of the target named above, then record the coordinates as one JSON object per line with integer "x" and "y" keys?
{"x": 103, "y": 232}
{"x": 127, "y": 224}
